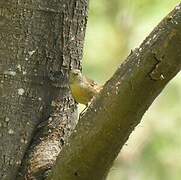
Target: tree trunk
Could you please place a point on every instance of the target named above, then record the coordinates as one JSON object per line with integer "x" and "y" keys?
{"x": 40, "y": 42}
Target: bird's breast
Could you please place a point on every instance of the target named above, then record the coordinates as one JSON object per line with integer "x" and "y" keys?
{"x": 81, "y": 94}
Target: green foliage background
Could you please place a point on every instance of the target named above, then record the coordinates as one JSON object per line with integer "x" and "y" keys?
{"x": 153, "y": 151}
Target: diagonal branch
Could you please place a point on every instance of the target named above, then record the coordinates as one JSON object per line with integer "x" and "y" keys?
{"x": 107, "y": 124}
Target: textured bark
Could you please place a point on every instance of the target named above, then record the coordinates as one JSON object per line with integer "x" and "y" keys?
{"x": 107, "y": 124}
{"x": 40, "y": 41}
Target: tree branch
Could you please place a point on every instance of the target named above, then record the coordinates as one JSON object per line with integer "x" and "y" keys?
{"x": 110, "y": 119}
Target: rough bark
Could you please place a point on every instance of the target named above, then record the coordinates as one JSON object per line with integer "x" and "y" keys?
{"x": 40, "y": 41}
{"x": 107, "y": 124}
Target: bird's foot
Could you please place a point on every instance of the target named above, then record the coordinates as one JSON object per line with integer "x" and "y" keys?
{"x": 83, "y": 112}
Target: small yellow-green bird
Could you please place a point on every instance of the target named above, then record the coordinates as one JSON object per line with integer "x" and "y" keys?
{"x": 82, "y": 88}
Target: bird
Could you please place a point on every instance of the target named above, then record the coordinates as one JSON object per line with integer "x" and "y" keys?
{"x": 83, "y": 89}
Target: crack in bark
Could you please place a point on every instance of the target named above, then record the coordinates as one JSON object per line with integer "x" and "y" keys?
{"x": 155, "y": 73}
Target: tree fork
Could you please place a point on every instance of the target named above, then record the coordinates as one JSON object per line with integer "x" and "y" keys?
{"x": 113, "y": 115}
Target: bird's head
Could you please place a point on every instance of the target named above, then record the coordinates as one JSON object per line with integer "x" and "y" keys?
{"x": 75, "y": 76}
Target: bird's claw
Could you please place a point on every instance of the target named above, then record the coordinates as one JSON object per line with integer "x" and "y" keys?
{"x": 83, "y": 112}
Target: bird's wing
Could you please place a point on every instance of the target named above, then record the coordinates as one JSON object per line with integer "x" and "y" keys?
{"x": 93, "y": 85}
{"x": 91, "y": 82}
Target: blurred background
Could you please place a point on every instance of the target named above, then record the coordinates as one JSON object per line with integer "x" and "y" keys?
{"x": 153, "y": 151}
